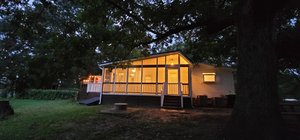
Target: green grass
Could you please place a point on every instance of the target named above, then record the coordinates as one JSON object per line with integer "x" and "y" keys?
{"x": 38, "y": 119}
{"x": 65, "y": 119}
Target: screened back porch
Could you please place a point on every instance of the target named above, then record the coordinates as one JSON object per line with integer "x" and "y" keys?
{"x": 168, "y": 73}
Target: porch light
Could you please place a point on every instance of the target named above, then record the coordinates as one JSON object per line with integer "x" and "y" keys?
{"x": 86, "y": 81}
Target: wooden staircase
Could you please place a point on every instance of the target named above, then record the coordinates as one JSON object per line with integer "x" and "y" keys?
{"x": 172, "y": 102}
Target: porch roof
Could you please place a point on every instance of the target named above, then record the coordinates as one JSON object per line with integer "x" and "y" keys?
{"x": 151, "y": 56}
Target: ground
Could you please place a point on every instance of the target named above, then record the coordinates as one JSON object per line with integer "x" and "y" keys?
{"x": 65, "y": 119}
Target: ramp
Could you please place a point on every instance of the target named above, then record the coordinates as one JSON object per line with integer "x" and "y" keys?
{"x": 90, "y": 101}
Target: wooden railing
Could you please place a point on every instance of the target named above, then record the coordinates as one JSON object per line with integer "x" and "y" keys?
{"x": 134, "y": 88}
{"x": 92, "y": 87}
{"x": 162, "y": 95}
{"x": 107, "y": 87}
{"x": 185, "y": 89}
{"x": 120, "y": 88}
{"x": 172, "y": 88}
{"x": 148, "y": 88}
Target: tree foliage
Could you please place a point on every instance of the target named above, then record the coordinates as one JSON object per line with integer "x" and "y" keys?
{"x": 46, "y": 42}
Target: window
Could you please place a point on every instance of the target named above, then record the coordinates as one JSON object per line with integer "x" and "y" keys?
{"x": 209, "y": 77}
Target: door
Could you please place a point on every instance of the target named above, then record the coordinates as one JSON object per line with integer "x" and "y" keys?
{"x": 172, "y": 81}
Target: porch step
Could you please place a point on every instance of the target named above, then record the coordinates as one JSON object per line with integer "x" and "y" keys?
{"x": 172, "y": 102}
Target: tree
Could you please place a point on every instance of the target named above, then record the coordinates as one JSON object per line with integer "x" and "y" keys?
{"x": 115, "y": 30}
{"x": 42, "y": 44}
{"x": 256, "y": 113}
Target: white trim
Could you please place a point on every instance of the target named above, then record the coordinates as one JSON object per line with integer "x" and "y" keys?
{"x": 134, "y": 94}
{"x": 126, "y": 87}
{"x": 151, "y": 56}
{"x": 142, "y": 73}
{"x": 114, "y": 80}
{"x": 156, "y": 90}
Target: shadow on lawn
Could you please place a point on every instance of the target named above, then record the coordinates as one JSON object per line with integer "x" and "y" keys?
{"x": 150, "y": 123}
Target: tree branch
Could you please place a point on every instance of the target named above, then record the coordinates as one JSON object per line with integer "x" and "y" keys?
{"x": 135, "y": 17}
{"x": 212, "y": 26}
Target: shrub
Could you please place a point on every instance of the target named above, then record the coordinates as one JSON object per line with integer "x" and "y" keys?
{"x": 47, "y": 94}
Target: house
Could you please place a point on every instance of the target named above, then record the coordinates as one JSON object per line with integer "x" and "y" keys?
{"x": 165, "y": 79}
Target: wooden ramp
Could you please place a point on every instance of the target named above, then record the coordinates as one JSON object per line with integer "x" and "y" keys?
{"x": 90, "y": 101}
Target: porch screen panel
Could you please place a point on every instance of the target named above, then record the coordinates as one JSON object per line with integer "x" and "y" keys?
{"x": 184, "y": 80}
{"x": 149, "y": 80}
{"x": 172, "y": 59}
{"x": 120, "y": 83}
{"x": 134, "y": 80}
{"x": 184, "y": 74}
{"x": 120, "y": 75}
{"x": 161, "y": 60}
{"x": 108, "y": 80}
{"x": 107, "y": 87}
{"x": 151, "y": 61}
{"x": 183, "y": 61}
{"x": 161, "y": 79}
{"x": 172, "y": 81}
{"x": 138, "y": 62}
{"x": 108, "y": 75}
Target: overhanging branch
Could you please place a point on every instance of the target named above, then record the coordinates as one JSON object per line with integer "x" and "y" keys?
{"x": 135, "y": 17}
{"x": 211, "y": 25}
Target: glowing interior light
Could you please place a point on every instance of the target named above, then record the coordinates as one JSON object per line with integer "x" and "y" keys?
{"x": 133, "y": 70}
{"x": 209, "y": 77}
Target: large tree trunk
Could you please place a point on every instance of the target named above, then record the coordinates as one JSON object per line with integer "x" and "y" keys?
{"x": 256, "y": 112}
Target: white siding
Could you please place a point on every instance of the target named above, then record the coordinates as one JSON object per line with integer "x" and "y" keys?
{"x": 224, "y": 81}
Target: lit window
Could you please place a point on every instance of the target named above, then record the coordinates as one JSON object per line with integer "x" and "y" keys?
{"x": 209, "y": 77}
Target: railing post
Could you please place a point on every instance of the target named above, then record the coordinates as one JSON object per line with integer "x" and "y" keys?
{"x": 180, "y": 94}
{"x": 88, "y": 87}
{"x": 162, "y": 96}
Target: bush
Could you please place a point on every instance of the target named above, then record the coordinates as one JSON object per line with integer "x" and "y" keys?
{"x": 47, "y": 94}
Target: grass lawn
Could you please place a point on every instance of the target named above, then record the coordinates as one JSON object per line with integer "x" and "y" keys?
{"x": 42, "y": 119}
{"x": 65, "y": 119}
